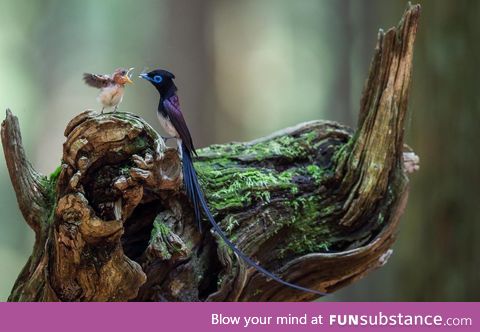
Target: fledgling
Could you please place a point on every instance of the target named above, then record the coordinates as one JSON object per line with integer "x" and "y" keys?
{"x": 171, "y": 119}
{"x": 111, "y": 87}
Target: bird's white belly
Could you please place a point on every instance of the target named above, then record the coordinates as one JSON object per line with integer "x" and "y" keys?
{"x": 111, "y": 96}
{"x": 167, "y": 125}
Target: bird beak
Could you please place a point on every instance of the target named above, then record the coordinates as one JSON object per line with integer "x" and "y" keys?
{"x": 127, "y": 79}
{"x": 127, "y": 76}
{"x": 143, "y": 75}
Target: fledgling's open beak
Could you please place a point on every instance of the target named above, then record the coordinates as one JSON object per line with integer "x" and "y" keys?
{"x": 127, "y": 78}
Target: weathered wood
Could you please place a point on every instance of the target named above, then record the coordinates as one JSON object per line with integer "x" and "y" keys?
{"x": 317, "y": 204}
{"x": 32, "y": 194}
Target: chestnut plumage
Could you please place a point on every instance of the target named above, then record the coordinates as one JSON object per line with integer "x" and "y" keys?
{"x": 112, "y": 87}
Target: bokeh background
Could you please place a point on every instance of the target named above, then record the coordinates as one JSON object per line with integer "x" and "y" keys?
{"x": 247, "y": 68}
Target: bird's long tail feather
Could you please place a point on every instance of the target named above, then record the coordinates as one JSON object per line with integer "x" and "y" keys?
{"x": 199, "y": 203}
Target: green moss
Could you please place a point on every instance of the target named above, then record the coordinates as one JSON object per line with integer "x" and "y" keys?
{"x": 264, "y": 196}
{"x": 230, "y": 183}
{"x": 49, "y": 185}
{"x": 222, "y": 245}
{"x": 236, "y": 187}
{"x": 159, "y": 228}
{"x": 159, "y": 234}
{"x": 308, "y": 221}
{"x": 316, "y": 172}
{"x": 310, "y": 137}
{"x": 294, "y": 190}
{"x": 55, "y": 174}
{"x": 286, "y": 147}
{"x": 125, "y": 170}
{"x": 234, "y": 238}
{"x": 229, "y": 224}
{"x": 139, "y": 143}
{"x": 328, "y": 210}
{"x": 343, "y": 151}
{"x": 324, "y": 246}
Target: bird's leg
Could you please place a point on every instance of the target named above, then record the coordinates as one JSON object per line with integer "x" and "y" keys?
{"x": 115, "y": 109}
{"x": 101, "y": 112}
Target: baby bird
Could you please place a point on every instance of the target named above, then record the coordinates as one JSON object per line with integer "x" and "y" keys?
{"x": 111, "y": 88}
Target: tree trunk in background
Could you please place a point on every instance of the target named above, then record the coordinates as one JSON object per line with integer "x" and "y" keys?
{"x": 340, "y": 105}
{"x": 445, "y": 204}
{"x": 192, "y": 36}
{"x": 436, "y": 256}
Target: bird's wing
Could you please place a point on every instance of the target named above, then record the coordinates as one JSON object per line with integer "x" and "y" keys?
{"x": 172, "y": 106}
{"x": 97, "y": 81}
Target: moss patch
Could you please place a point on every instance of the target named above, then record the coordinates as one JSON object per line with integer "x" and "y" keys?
{"x": 316, "y": 172}
{"x": 50, "y": 185}
{"x": 285, "y": 147}
{"x": 236, "y": 187}
{"x": 159, "y": 237}
{"x": 278, "y": 180}
{"x": 308, "y": 220}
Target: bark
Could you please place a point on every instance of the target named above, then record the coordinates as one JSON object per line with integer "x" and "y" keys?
{"x": 318, "y": 204}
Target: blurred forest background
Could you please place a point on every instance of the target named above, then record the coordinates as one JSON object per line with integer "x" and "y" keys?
{"x": 247, "y": 68}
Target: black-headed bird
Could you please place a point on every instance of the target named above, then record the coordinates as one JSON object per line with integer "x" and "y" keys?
{"x": 172, "y": 121}
{"x": 111, "y": 87}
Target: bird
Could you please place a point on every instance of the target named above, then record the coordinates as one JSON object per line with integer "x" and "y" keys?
{"x": 112, "y": 87}
{"x": 172, "y": 121}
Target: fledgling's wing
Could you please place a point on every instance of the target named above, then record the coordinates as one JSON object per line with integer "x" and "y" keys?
{"x": 97, "y": 81}
{"x": 172, "y": 106}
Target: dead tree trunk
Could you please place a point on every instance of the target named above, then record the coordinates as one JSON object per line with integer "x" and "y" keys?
{"x": 317, "y": 204}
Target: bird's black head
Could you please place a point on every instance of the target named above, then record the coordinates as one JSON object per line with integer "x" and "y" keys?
{"x": 162, "y": 80}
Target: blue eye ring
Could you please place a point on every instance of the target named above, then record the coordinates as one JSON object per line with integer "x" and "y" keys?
{"x": 157, "y": 79}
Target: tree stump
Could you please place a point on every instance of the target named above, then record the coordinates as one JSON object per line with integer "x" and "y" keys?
{"x": 317, "y": 204}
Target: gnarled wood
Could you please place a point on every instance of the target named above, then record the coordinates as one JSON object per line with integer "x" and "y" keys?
{"x": 30, "y": 187}
{"x": 317, "y": 204}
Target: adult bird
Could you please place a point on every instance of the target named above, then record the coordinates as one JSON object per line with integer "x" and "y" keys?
{"x": 172, "y": 121}
{"x": 111, "y": 87}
